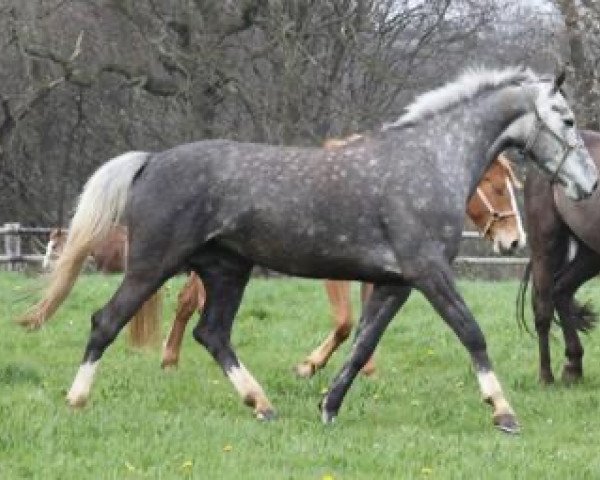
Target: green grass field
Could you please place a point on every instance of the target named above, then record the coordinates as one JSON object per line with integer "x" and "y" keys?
{"x": 420, "y": 417}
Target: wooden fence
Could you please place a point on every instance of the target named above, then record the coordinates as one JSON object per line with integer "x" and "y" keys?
{"x": 24, "y": 248}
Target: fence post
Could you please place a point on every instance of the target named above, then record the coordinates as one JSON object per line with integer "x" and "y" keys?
{"x": 12, "y": 245}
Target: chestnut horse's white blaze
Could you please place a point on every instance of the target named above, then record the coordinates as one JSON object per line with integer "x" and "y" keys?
{"x": 515, "y": 208}
{"x": 48, "y": 257}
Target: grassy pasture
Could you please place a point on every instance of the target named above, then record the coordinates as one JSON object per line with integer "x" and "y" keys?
{"x": 420, "y": 417}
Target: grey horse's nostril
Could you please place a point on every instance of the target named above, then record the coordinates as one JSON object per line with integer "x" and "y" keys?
{"x": 594, "y": 185}
{"x": 514, "y": 244}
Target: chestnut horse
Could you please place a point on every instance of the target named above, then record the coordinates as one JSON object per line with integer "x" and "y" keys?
{"x": 493, "y": 209}
{"x": 110, "y": 256}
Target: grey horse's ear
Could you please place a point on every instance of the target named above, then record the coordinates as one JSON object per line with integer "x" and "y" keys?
{"x": 559, "y": 80}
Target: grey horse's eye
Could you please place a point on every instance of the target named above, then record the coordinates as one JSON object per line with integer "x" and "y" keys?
{"x": 568, "y": 122}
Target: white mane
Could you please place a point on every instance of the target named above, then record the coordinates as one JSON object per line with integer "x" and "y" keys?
{"x": 466, "y": 86}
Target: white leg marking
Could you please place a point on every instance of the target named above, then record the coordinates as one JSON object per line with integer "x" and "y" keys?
{"x": 515, "y": 207}
{"x": 491, "y": 390}
{"x": 80, "y": 390}
{"x": 244, "y": 383}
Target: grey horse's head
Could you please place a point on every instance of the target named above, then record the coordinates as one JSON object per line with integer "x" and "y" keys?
{"x": 553, "y": 140}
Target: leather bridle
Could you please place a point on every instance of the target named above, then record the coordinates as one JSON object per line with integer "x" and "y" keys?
{"x": 495, "y": 215}
{"x": 566, "y": 147}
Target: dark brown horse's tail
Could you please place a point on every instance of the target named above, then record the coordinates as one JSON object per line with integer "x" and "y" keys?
{"x": 521, "y": 297}
{"x": 144, "y": 327}
{"x": 582, "y": 317}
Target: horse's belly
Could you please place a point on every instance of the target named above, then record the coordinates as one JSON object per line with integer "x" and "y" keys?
{"x": 329, "y": 260}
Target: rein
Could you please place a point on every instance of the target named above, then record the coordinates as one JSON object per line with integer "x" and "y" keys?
{"x": 495, "y": 215}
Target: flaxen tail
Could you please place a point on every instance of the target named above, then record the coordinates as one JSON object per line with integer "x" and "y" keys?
{"x": 100, "y": 207}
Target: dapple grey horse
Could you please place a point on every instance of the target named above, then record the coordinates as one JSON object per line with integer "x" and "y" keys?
{"x": 387, "y": 211}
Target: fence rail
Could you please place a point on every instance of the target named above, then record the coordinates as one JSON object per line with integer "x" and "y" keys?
{"x": 14, "y": 258}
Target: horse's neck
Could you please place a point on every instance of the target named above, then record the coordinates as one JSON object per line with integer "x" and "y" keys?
{"x": 494, "y": 118}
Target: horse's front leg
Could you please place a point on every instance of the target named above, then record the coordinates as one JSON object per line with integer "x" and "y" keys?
{"x": 543, "y": 311}
{"x": 190, "y": 298}
{"x": 378, "y": 312}
{"x": 107, "y": 323}
{"x": 436, "y": 282}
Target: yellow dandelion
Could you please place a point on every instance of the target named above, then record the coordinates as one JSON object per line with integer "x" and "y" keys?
{"x": 227, "y": 448}
{"x": 187, "y": 465}
{"x": 323, "y": 390}
{"x": 430, "y": 351}
{"x": 129, "y": 467}
{"x": 327, "y": 477}
{"x": 426, "y": 471}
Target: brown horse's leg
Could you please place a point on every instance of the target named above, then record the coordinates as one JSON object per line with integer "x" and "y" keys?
{"x": 548, "y": 241}
{"x": 573, "y": 316}
{"x": 190, "y": 298}
{"x": 339, "y": 299}
{"x": 543, "y": 311}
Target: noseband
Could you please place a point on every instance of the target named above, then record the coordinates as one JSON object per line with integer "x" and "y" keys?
{"x": 566, "y": 147}
{"x": 495, "y": 215}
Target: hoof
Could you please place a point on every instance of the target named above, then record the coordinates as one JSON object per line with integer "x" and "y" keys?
{"x": 76, "y": 401}
{"x": 30, "y": 324}
{"x": 327, "y": 417}
{"x": 169, "y": 363}
{"x": 507, "y": 423}
{"x": 546, "y": 378}
{"x": 368, "y": 370}
{"x": 266, "y": 416}
{"x": 571, "y": 375}
{"x": 305, "y": 370}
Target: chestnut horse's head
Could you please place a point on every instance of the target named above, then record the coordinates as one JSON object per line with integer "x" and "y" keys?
{"x": 493, "y": 207}
{"x": 56, "y": 242}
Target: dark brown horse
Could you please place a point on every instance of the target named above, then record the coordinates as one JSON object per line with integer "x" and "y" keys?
{"x": 565, "y": 252}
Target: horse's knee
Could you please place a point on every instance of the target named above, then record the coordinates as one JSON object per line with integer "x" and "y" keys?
{"x": 209, "y": 339}
{"x": 103, "y": 331}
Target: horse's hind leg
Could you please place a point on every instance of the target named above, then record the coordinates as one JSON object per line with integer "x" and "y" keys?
{"x": 437, "y": 284}
{"x": 573, "y": 316}
{"x": 106, "y": 324}
{"x": 225, "y": 280}
{"x": 380, "y": 309}
{"x": 190, "y": 298}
